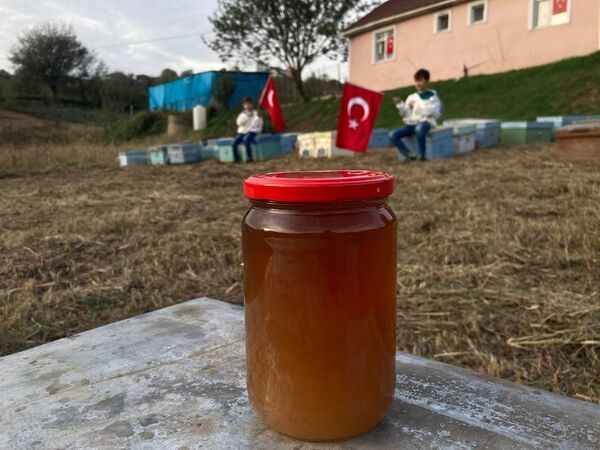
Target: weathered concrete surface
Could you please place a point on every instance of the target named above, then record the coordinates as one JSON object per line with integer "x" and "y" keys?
{"x": 174, "y": 379}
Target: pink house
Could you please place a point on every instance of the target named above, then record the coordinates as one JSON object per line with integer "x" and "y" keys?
{"x": 454, "y": 37}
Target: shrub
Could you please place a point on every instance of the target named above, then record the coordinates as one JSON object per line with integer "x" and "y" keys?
{"x": 139, "y": 126}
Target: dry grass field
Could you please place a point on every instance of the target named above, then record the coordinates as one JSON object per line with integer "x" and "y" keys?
{"x": 499, "y": 252}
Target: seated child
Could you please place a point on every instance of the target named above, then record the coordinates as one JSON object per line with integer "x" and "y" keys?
{"x": 420, "y": 113}
{"x": 249, "y": 124}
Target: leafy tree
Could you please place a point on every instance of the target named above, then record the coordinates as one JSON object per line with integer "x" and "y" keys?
{"x": 51, "y": 54}
{"x": 145, "y": 80}
{"x": 167, "y": 75}
{"x": 187, "y": 73}
{"x": 4, "y": 75}
{"x": 120, "y": 91}
{"x": 89, "y": 79}
{"x": 287, "y": 35}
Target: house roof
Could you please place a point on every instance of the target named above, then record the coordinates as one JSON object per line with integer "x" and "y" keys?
{"x": 395, "y": 9}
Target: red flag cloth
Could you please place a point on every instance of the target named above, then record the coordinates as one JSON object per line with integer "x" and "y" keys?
{"x": 359, "y": 110}
{"x": 560, "y": 6}
{"x": 269, "y": 101}
{"x": 390, "y": 45}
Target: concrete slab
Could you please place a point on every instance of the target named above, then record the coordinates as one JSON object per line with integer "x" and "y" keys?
{"x": 175, "y": 379}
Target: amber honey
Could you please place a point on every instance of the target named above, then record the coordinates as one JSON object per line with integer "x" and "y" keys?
{"x": 320, "y": 299}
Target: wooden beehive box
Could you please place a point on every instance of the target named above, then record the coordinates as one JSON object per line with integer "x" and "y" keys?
{"x": 579, "y": 142}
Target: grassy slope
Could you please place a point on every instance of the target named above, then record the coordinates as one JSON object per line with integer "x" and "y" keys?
{"x": 568, "y": 87}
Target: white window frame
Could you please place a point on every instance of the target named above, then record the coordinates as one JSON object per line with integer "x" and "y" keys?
{"x": 564, "y": 20}
{"x": 472, "y": 5}
{"x": 447, "y": 12}
{"x": 387, "y": 58}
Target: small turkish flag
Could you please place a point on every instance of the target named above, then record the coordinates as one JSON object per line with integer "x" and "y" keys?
{"x": 359, "y": 110}
{"x": 560, "y": 6}
{"x": 390, "y": 45}
{"x": 270, "y": 102}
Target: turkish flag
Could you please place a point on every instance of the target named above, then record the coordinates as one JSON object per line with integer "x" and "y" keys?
{"x": 560, "y": 6}
{"x": 269, "y": 101}
{"x": 359, "y": 110}
{"x": 390, "y": 45}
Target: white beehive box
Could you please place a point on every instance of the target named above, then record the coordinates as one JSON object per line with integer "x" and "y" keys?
{"x": 320, "y": 145}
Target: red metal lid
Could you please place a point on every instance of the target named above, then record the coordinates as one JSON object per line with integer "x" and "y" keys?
{"x": 319, "y": 186}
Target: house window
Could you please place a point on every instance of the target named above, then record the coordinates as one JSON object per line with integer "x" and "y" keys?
{"x": 546, "y": 13}
{"x": 385, "y": 45}
{"x": 443, "y": 22}
{"x": 477, "y": 12}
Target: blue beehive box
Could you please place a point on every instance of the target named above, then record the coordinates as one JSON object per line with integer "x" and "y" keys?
{"x": 158, "y": 156}
{"x": 208, "y": 149}
{"x": 464, "y": 139}
{"x": 267, "y": 146}
{"x": 184, "y": 153}
{"x": 487, "y": 133}
{"x": 563, "y": 121}
{"x": 440, "y": 144}
{"x": 133, "y": 158}
{"x": 288, "y": 142}
{"x": 380, "y": 139}
{"x": 208, "y": 153}
{"x": 224, "y": 150}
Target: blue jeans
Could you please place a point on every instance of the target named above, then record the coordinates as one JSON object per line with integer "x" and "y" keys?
{"x": 420, "y": 130}
{"x": 247, "y": 139}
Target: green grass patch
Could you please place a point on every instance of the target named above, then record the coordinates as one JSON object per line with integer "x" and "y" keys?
{"x": 139, "y": 126}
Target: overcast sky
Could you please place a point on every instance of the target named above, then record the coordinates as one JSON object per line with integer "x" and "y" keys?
{"x": 108, "y": 26}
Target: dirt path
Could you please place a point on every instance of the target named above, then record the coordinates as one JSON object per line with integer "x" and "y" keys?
{"x": 15, "y": 120}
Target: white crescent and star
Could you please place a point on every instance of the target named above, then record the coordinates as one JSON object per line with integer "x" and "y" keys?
{"x": 270, "y": 99}
{"x": 358, "y": 101}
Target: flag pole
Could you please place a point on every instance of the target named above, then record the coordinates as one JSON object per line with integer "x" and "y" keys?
{"x": 264, "y": 91}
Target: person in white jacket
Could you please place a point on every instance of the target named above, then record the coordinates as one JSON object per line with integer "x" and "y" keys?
{"x": 420, "y": 113}
{"x": 249, "y": 125}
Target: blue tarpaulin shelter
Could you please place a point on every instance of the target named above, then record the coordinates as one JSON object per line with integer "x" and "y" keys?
{"x": 185, "y": 93}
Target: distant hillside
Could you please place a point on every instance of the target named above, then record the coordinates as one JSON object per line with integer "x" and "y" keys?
{"x": 568, "y": 87}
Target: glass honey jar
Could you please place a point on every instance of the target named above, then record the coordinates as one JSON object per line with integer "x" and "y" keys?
{"x": 319, "y": 252}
